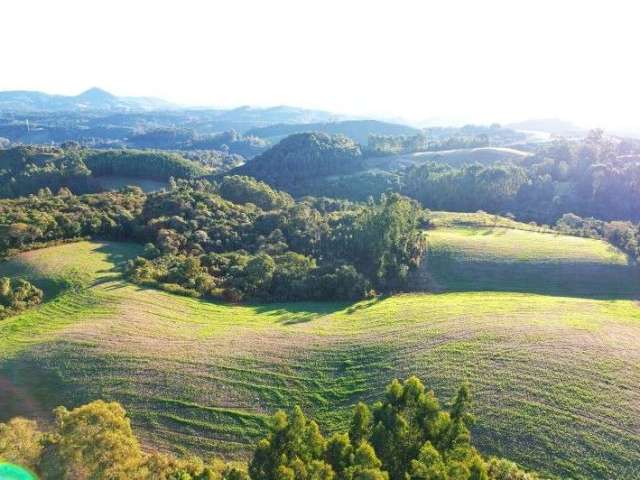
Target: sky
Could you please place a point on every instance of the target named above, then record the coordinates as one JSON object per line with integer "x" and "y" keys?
{"x": 455, "y": 60}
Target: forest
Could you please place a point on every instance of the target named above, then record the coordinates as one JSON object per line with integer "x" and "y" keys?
{"x": 235, "y": 240}
{"x": 233, "y": 237}
{"x": 27, "y": 169}
{"x": 594, "y": 177}
{"x": 405, "y": 435}
{"x": 232, "y": 221}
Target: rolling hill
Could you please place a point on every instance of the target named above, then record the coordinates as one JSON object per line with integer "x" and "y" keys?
{"x": 553, "y": 365}
{"x": 358, "y": 130}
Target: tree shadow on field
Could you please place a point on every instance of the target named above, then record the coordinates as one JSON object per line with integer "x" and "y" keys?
{"x": 51, "y": 284}
{"x": 365, "y": 304}
{"x": 293, "y": 313}
{"x": 303, "y": 312}
{"x": 118, "y": 254}
{"x": 565, "y": 279}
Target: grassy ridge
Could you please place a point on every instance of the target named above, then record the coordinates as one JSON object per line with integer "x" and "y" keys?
{"x": 555, "y": 376}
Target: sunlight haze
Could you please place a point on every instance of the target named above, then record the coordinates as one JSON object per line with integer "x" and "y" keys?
{"x": 456, "y": 61}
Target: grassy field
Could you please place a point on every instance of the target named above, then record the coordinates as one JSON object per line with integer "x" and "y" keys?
{"x": 502, "y": 259}
{"x": 555, "y": 375}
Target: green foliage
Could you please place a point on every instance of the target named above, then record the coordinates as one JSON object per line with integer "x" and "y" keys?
{"x": 503, "y": 469}
{"x": 471, "y": 136}
{"x": 409, "y": 436}
{"x": 243, "y": 190}
{"x": 132, "y": 163}
{"x": 17, "y": 295}
{"x": 303, "y": 157}
{"x": 26, "y": 170}
{"x": 388, "y": 241}
{"x": 200, "y": 244}
{"x": 45, "y": 218}
{"x": 382, "y": 241}
{"x": 171, "y": 138}
{"x": 95, "y": 442}
{"x": 624, "y": 235}
{"x": 42, "y": 170}
{"x": 20, "y": 442}
{"x": 466, "y": 189}
{"x": 394, "y": 144}
{"x": 593, "y": 177}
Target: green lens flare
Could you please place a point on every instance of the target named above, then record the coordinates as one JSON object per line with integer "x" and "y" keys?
{"x": 14, "y": 472}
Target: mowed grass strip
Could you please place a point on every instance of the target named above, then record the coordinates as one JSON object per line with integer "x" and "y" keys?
{"x": 555, "y": 377}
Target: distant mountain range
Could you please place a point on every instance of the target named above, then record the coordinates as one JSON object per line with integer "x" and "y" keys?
{"x": 273, "y": 123}
{"x": 94, "y": 99}
{"x": 99, "y": 100}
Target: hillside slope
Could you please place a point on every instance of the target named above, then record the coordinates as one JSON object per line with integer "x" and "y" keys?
{"x": 499, "y": 259}
{"x": 358, "y": 130}
{"x": 555, "y": 377}
{"x": 455, "y": 158}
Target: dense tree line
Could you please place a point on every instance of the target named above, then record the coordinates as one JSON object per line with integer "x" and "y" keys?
{"x": 262, "y": 245}
{"x": 25, "y": 170}
{"x": 203, "y": 244}
{"x": 624, "y": 235}
{"x": 380, "y": 145}
{"x": 405, "y": 436}
{"x": 438, "y": 139}
{"x": 466, "y": 189}
{"x": 44, "y": 218}
{"x": 215, "y": 161}
{"x": 186, "y": 139}
{"x": 598, "y": 177}
{"x": 496, "y": 134}
{"x": 397, "y": 144}
{"x": 17, "y": 295}
{"x": 132, "y": 163}
{"x": 243, "y": 190}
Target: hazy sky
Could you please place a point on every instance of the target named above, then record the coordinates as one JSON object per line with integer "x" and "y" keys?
{"x": 474, "y": 60}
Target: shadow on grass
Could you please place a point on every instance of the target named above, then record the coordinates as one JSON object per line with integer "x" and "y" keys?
{"x": 566, "y": 279}
{"x": 34, "y": 383}
{"x": 118, "y": 254}
{"x": 51, "y": 285}
{"x": 293, "y": 313}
